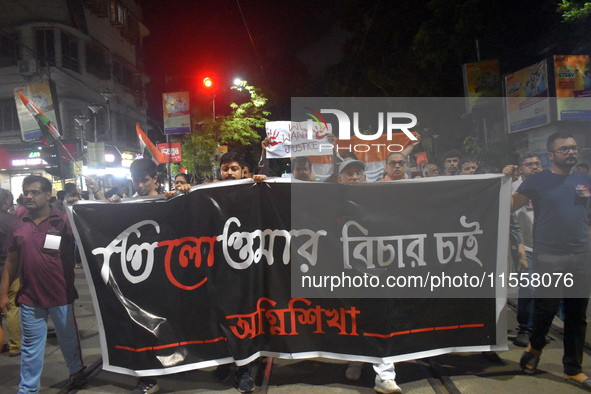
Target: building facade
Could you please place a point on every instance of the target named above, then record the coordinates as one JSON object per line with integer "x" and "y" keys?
{"x": 90, "y": 54}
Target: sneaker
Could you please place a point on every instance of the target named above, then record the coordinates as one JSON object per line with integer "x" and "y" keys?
{"x": 245, "y": 383}
{"x": 145, "y": 386}
{"x": 353, "y": 372}
{"x": 77, "y": 380}
{"x": 522, "y": 338}
{"x": 222, "y": 372}
{"x": 386, "y": 386}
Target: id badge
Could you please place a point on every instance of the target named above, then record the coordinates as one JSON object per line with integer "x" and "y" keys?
{"x": 52, "y": 240}
{"x": 582, "y": 191}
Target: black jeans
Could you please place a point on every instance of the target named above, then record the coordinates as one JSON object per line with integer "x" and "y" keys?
{"x": 546, "y": 305}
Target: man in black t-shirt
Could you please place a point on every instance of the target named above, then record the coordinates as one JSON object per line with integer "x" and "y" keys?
{"x": 561, "y": 253}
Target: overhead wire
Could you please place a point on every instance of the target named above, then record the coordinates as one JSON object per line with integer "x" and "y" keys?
{"x": 251, "y": 41}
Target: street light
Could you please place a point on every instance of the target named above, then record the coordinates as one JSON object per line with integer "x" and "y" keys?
{"x": 81, "y": 120}
{"x": 95, "y": 108}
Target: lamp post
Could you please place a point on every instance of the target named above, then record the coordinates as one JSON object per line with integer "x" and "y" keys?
{"x": 95, "y": 108}
{"x": 81, "y": 120}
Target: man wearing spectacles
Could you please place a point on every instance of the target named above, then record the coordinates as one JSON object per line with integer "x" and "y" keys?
{"x": 40, "y": 249}
{"x": 395, "y": 167}
{"x": 561, "y": 247}
{"x": 351, "y": 171}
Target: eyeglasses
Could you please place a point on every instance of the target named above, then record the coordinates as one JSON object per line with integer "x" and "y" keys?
{"x": 400, "y": 163}
{"x": 33, "y": 193}
{"x": 565, "y": 149}
{"x": 532, "y": 164}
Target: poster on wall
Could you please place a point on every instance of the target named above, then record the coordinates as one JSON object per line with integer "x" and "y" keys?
{"x": 527, "y": 103}
{"x": 481, "y": 79}
{"x": 40, "y": 95}
{"x": 573, "y": 87}
{"x": 177, "y": 113}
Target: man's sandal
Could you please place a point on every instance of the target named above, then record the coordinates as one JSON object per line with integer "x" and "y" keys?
{"x": 531, "y": 359}
{"x": 585, "y": 384}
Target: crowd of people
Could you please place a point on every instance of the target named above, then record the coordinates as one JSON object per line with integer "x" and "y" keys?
{"x": 549, "y": 230}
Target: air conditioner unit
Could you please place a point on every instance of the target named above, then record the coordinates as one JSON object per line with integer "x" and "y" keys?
{"x": 28, "y": 67}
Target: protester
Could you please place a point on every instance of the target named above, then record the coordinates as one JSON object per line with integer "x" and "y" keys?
{"x": 231, "y": 165}
{"x": 451, "y": 162}
{"x": 395, "y": 167}
{"x": 13, "y": 328}
{"x": 72, "y": 194}
{"x": 246, "y": 171}
{"x": 302, "y": 169}
{"x": 468, "y": 165}
{"x": 182, "y": 179}
{"x": 144, "y": 177}
{"x": 20, "y": 210}
{"x": 529, "y": 164}
{"x": 40, "y": 250}
{"x": 353, "y": 171}
{"x": 60, "y": 197}
{"x": 561, "y": 246}
{"x": 430, "y": 170}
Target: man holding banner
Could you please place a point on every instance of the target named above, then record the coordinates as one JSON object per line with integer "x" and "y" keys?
{"x": 353, "y": 171}
{"x": 561, "y": 247}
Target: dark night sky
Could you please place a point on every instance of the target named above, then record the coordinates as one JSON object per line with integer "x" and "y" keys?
{"x": 192, "y": 38}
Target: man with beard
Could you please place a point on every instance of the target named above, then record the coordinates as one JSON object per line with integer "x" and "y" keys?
{"x": 561, "y": 247}
{"x": 231, "y": 166}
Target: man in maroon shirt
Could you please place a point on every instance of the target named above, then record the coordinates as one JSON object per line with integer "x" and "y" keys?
{"x": 40, "y": 250}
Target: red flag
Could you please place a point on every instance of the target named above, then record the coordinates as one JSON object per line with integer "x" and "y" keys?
{"x": 145, "y": 143}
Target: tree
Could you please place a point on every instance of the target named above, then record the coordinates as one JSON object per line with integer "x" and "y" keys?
{"x": 574, "y": 10}
{"x": 238, "y": 130}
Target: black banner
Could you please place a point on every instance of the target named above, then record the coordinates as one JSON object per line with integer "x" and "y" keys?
{"x": 205, "y": 278}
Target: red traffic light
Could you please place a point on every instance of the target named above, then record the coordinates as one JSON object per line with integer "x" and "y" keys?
{"x": 208, "y": 83}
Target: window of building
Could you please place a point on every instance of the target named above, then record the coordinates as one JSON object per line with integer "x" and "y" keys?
{"x": 97, "y": 60}
{"x": 9, "y": 49}
{"x": 70, "y": 54}
{"x": 120, "y": 128}
{"x": 118, "y": 69}
{"x": 44, "y": 39}
{"x": 8, "y": 116}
